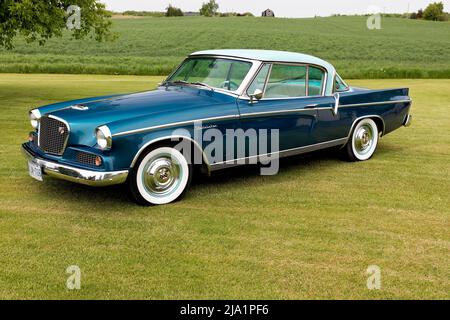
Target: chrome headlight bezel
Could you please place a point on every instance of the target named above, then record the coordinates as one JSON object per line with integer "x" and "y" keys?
{"x": 35, "y": 116}
{"x": 103, "y": 137}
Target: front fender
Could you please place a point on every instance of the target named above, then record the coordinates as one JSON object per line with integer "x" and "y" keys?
{"x": 127, "y": 149}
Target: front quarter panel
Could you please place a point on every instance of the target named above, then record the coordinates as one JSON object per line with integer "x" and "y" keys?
{"x": 131, "y": 136}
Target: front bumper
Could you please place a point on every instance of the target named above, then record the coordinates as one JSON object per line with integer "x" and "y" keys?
{"x": 73, "y": 174}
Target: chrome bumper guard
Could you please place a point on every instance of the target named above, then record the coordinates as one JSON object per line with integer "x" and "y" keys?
{"x": 408, "y": 120}
{"x": 81, "y": 176}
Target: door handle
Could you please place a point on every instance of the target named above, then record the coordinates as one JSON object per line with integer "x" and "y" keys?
{"x": 311, "y": 106}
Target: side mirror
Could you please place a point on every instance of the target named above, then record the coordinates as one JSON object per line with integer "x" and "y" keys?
{"x": 257, "y": 95}
{"x": 336, "y": 97}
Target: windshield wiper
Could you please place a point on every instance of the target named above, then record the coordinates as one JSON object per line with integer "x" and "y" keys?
{"x": 168, "y": 83}
{"x": 180, "y": 82}
{"x": 202, "y": 84}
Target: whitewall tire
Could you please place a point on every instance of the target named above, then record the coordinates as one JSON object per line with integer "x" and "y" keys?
{"x": 363, "y": 141}
{"x": 161, "y": 176}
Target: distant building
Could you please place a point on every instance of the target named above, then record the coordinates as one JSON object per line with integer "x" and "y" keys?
{"x": 268, "y": 13}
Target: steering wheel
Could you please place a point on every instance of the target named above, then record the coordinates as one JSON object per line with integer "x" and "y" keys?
{"x": 229, "y": 85}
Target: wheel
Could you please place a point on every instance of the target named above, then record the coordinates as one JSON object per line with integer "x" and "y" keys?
{"x": 363, "y": 141}
{"x": 161, "y": 176}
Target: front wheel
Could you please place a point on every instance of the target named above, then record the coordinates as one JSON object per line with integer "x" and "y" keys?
{"x": 160, "y": 176}
{"x": 363, "y": 141}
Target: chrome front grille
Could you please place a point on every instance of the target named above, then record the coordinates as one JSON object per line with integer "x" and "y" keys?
{"x": 53, "y": 135}
{"x": 86, "y": 158}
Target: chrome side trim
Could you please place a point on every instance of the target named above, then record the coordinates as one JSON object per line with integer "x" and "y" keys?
{"x": 281, "y": 154}
{"x": 173, "y": 124}
{"x": 331, "y": 108}
{"x": 251, "y": 114}
{"x": 73, "y": 174}
{"x": 199, "y": 148}
{"x": 373, "y": 103}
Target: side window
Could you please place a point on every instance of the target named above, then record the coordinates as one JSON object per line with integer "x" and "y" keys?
{"x": 340, "y": 85}
{"x": 315, "y": 81}
{"x": 286, "y": 81}
{"x": 259, "y": 81}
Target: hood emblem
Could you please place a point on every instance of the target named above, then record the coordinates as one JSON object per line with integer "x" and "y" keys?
{"x": 79, "y": 107}
{"x": 61, "y": 130}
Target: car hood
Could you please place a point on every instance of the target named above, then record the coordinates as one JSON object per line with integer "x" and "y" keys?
{"x": 84, "y": 117}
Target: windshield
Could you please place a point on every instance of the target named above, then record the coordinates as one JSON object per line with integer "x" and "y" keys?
{"x": 218, "y": 73}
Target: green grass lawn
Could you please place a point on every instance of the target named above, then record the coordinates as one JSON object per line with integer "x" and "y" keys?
{"x": 309, "y": 232}
{"x": 154, "y": 46}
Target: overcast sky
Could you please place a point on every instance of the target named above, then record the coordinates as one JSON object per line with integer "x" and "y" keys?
{"x": 282, "y": 8}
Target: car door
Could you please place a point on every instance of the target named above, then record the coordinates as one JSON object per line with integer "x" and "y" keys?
{"x": 331, "y": 125}
{"x": 284, "y": 106}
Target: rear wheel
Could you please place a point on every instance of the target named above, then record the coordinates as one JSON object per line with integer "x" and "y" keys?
{"x": 363, "y": 141}
{"x": 160, "y": 176}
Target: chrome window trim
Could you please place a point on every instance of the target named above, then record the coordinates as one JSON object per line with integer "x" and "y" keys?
{"x": 255, "y": 75}
{"x": 245, "y": 95}
{"x": 243, "y": 84}
{"x": 172, "y": 124}
{"x": 65, "y": 142}
{"x": 347, "y": 88}
{"x": 287, "y": 98}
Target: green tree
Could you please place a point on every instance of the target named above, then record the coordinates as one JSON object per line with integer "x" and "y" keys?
{"x": 173, "y": 12}
{"x": 434, "y": 11}
{"x": 209, "y": 9}
{"x": 40, "y": 20}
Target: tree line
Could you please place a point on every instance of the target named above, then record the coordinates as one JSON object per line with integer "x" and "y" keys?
{"x": 433, "y": 12}
{"x": 208, "y": 9}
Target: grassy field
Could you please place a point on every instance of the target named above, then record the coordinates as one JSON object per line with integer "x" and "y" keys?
{"x": 403, "y": 48}
{"x": 309, "y": 232}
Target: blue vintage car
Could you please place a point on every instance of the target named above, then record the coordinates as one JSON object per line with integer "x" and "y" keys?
{"x": 136, "y": 138}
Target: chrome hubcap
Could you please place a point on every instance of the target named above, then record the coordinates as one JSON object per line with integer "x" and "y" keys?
{"x": 364, "y": 137}
{"x": 161, "y": 176}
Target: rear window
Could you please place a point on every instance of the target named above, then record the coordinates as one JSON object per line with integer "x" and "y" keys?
{"x": 339, "y": 84}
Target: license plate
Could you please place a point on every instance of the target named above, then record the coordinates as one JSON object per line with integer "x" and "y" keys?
{"x": 35, "y": 170}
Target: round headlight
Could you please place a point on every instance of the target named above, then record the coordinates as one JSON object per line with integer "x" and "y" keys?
{"x": 104, "y": 138}
{"x": 35, "y": 115}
